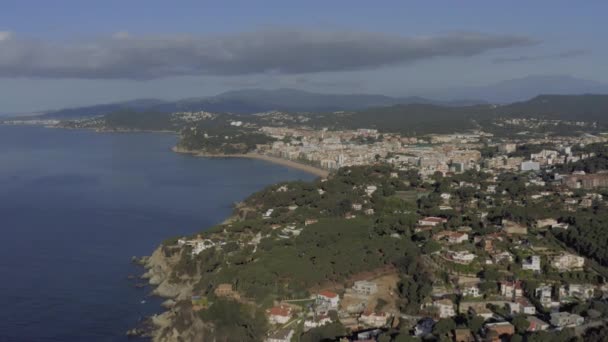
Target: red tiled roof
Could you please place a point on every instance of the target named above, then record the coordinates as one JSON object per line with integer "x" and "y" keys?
{"x": 328, "y": 294}
{"x": 279, "y": 311}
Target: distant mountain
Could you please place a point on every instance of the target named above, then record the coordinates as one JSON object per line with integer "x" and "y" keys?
{"x": 248, "y": 101}
{"x": 96, "y": 110}
{"x": 521, "y": 89}
{"x": 587, "y": 107}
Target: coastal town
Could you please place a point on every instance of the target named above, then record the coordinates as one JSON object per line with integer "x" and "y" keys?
{"x": 495, "y": 225}
{"x": 490, "y": 234}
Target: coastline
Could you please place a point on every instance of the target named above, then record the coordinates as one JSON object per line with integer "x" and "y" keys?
{"x": 252, "y": 155}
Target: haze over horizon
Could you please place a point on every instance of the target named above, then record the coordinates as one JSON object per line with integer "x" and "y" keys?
{"x": 51, "y": 58}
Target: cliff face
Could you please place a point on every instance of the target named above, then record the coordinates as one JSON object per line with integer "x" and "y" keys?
{"x": 178, "y": 323}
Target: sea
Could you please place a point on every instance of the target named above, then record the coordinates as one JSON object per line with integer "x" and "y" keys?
{"x": 76, "y": 205}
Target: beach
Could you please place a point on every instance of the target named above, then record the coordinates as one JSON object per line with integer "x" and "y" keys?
{"x": 280, "y": 161}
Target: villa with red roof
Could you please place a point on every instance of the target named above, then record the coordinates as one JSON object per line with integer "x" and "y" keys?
{"x": 328, "y": 298}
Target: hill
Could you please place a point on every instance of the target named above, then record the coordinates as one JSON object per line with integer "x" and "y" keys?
{"x": 521, "y": 89}
{"x": 249, "y": 101}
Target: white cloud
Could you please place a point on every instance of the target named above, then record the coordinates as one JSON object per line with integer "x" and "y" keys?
{"x": 5, "y": 35}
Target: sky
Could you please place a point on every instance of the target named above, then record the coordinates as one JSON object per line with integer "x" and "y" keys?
{"x": 57, "y": 54}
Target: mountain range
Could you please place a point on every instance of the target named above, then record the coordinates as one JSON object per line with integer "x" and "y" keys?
{"x": 247, "y": 101}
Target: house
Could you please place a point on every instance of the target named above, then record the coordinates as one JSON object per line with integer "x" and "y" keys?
{"x": 511, "y": 289}
{"x": 369, "y": 211}
{"x": 578, "y": 291}
{"x": 226, "y": 291}
{"x": 279, "y": 314}
{"x": 522, "y": 305}
{"x": 548, "y": 222}
{"x": 432, "y": 221}
{"x": 370, "y": 189}
{"x": 329, "y": 299}
{"x": 445, "y": 308}
{"x": 502, "y": 256}
{"x": 531, "y": 263}
{"x": 357, "y": 206}
{"x": 471, "y": 291}
{"x": 514, "y": 228}
{"x": 282, "y": 335}
{"x": 308, "y": 222}
{"x": 544, "y": 295}
{"x": 567, "y": 262}
{"x": 494, "y": 331}
{"x": 566, "y": 319}
{"x": 373, "y": 319}
{"x": 451, "y": 237}
{"x": 268, "y": 214}
{"x": 365, "y": 287}
{"x": 463, "y": 335}
{"x": 461, "y": 257}
{"x": 536, "y": 324}
{"x": 315, "y": 323}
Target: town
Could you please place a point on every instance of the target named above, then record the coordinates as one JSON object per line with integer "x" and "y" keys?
{"x": 463, "y": 237}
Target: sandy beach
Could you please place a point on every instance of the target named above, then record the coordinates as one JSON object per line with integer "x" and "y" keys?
{"x": 289, "y": 163}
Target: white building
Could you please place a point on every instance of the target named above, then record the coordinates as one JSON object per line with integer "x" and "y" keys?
{"x": 365, "y": 287}
{"x": 445, "y": 308}
{"x": 373, "y": 319}
{"x": 567, "y": 261}
{"x": 529, "y": 165}
{"x": 532, "y": 263}
{"x": 471, "y": 291}
{"x": 329, "y": 299}
{"x": 319, "y": 322}
{"x": 566, "y": 319}
{"x": 511, "y": 289}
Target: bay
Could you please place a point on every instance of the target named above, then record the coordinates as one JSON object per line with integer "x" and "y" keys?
{"x": 75, "y": 205}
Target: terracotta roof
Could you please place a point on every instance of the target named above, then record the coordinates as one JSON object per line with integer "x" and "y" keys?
{"x": 279, "y": 311}
{"x": 328, "y": 294}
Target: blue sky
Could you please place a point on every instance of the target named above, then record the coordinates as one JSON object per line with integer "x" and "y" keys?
{"x": 65, "y": 53}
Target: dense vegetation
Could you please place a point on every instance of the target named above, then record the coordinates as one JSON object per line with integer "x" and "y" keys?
{"x": 135, "y": 120}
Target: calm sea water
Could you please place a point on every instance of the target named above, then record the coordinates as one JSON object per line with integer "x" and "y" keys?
{"x": 76, "y": 205}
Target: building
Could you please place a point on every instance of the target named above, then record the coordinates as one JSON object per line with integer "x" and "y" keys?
{"x": 365, "y": 287}
{"x": 567, "y": 262}
{"x": 511, "y": 289}
{"x": 514, "y": 228}
{"x": 226, "y": 291}
{"x": 531, "y": 263}
{"x": 432, "y": 221}
{"x": 461, "y": 257}
{"x": 536, "y": 324}
{"x": 495, "y": 331}
{"x": 451, "y": 237}
{"x": 586, "y": 181}
{"x": 329, "y": 299}
{"x": 529, "y": 165}
{"x": 576, "y": 291}
{"x": 282, "y": 335}
{"x": 463, "y": 335}
{"x": 315, "y": 323}
{"x": 373, "y": 319}
{"x": 566, "y": 319}
{"x": 544, "y": 295}
{"x": 471, "y": 291}
{"x": 279, "y": 314}
{"x": 507, "y": 148}
{"x": 445, "y": 308}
